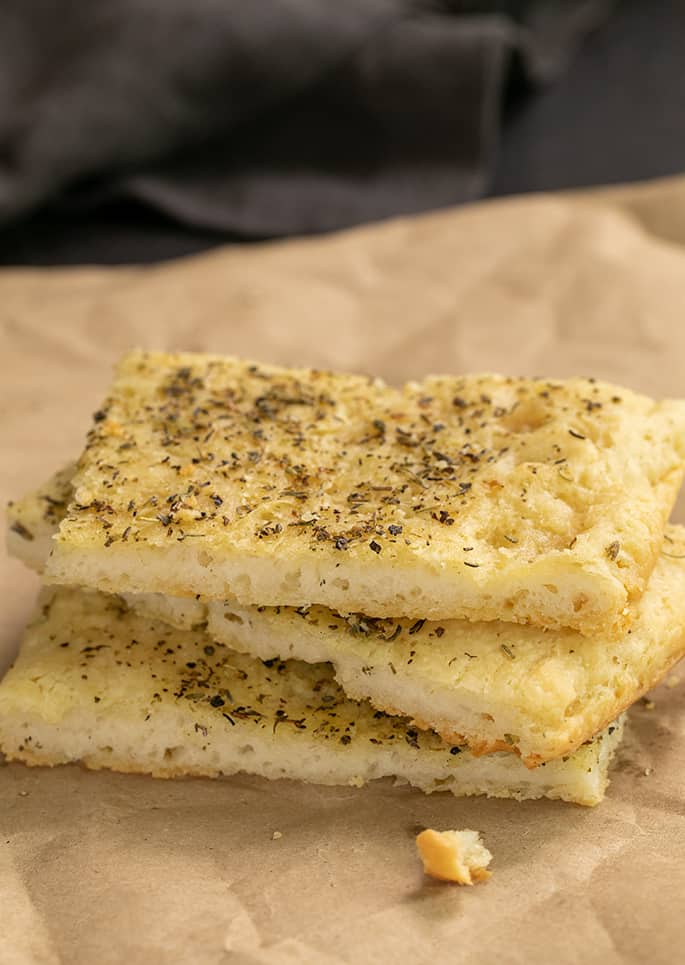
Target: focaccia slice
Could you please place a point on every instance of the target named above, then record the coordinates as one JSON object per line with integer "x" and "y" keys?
{"x": 97, "y": 683}
{"x": 478, "y": 497}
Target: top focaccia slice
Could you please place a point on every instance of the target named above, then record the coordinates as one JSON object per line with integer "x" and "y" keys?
{"x": 476, "y": 497}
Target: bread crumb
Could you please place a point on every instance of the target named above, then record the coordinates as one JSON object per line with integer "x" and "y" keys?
{"x": 276, "y": 835}
{"x": 673, "y": 680}
{"x": 454, "y": 856}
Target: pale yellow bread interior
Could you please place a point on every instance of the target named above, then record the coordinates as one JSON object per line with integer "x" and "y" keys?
{"x": 493, "y": 686}
{"x": 479, "y": 497}
{"x": 97, "y": 683}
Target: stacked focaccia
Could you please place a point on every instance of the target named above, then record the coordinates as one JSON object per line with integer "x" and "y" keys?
{"x": 462, "y": 583}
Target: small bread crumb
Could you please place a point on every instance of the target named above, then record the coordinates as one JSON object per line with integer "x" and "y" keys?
{"x": 276, "y": 835}
{"x": 454, "y": 856}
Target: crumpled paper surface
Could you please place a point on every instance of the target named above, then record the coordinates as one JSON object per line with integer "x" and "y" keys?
{"x": 105, "y": 868}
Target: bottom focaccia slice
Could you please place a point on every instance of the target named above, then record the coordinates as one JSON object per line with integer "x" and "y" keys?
{"x": 97, "y": 683}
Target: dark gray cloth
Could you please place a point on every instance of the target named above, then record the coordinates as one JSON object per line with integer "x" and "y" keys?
{"x": 618, "y": 114}
{"x": 268, "y": 117}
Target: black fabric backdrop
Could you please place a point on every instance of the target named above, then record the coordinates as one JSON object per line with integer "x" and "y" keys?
{"x": 275, "y": 117}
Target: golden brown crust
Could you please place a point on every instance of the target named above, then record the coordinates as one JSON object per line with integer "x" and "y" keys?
{"x": 98, "y": 762}
{"x": 101, "y": 762}
{"x": 452, "y": 738}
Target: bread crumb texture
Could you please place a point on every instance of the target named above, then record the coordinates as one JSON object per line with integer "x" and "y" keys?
{"x": 457, "y": 856}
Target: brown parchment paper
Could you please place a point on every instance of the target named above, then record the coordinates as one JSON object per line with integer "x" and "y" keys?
{"x": 100, "y": 868}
